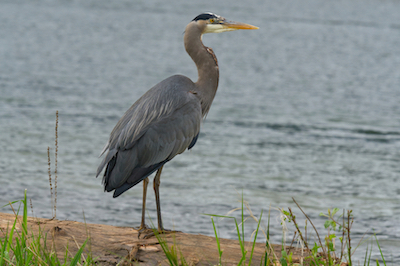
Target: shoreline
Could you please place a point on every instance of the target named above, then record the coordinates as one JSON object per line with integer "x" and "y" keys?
{"x": 110, "y": 245}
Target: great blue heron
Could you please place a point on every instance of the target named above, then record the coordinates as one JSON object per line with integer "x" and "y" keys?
{"x": 166, "y": 120}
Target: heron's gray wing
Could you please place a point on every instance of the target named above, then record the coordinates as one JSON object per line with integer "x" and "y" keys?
{"x": 170, "y": 135}
{"x": 161, "y": 124}
{"x": 162, "y": 141}
{"x": 160, "y": 101}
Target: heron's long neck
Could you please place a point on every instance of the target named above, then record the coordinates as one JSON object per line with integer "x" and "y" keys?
{"x": 207, "y": 66}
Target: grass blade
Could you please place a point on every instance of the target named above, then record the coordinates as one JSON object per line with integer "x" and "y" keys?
{"x": 77, "y": 256}
{"x": 218, "y": 243}
{"x": 380, "y": 250}
{"x": 255, "y": 238}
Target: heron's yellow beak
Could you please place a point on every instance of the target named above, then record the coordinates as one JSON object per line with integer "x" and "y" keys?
{"x": 233, "y": 25}
{"x": 225, "y": 25}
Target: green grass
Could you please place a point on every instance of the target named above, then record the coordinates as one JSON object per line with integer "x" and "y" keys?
{"x": 174, "y": 254}
{"x": 321, "y": 252}
{"x": 21, "y": 247}
{"x": 24, "y": 248}
{"x": 239, "y": 234}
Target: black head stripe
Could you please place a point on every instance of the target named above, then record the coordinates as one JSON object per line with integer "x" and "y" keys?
{"x": 205, "y": 16}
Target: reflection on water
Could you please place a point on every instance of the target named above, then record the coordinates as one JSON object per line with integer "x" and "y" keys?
{"x": 307, "y": 108}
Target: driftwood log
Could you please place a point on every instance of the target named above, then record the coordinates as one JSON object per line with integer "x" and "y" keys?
{"x": 110, "y": 245}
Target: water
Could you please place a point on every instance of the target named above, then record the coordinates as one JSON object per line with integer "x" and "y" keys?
{"x": 307, "y": 107}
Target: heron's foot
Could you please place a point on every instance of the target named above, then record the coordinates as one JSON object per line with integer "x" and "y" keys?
{"x": 142, "y": 227}
{"x": 153, "y": 232}
{"x": 143, "y": 233}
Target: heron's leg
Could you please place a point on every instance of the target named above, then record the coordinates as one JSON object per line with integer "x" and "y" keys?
{"x": 156, "y": 184}
{"x": 145, "y": 183}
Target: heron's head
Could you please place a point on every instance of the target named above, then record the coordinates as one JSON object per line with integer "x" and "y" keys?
{"x": 212, "y": 23}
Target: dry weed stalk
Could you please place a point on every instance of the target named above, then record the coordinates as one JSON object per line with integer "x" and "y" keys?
{"x": 53, "y": 195}
{"x": 315, "y": 229}
{"x": 49, "y": 172}
{"x": 30, "y": 201}
{"x": 297, "y": 227}
{"x": 345, "y": 227}
{"x": 348, "y": 234}
{"x": 55, "y": 168}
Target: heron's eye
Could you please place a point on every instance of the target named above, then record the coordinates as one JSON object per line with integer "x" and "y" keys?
{"x": 211, "y": 20}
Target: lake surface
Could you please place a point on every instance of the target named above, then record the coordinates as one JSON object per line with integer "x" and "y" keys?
{"x": 307, "y": 107}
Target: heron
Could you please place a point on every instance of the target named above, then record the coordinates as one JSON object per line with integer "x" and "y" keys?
{"x": 166, "y": 120}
